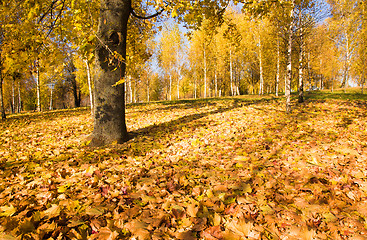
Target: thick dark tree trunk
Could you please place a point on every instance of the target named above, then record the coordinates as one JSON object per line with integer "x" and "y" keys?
{"x": 109, "y": 109}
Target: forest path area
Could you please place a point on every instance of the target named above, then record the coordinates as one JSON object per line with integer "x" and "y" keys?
{"x": 226, "y": 168}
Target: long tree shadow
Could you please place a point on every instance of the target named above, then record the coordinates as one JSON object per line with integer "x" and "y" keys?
{"x": 48, "y": 115}
{"x": 166, "y": 129}
{"x": 192, "y": 103}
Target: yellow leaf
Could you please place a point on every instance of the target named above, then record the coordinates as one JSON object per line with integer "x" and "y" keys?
{"x": 7, "y": 211}
{"x": 53, "y": 211}
{"x": 121, "y": 81}
{"x": 94, "y": 211}
{"x": 217, "y": 219}
{"x": 192, "y": 210}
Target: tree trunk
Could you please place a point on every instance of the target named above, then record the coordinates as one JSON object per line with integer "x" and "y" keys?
{"x": 148, "y": 93}
{"x": 51, "y": 108}
{"x": 261, "y": 90}
{"x": 3, "y": 115}
{"x": 13, "y": 96}
{"x": 89, "y": 86}
{"x": 278, "y": 69}
{"x": 205, "y": 72}
{"x": 216, "y": 82}
{"x": 130, "y": 89}
{"x": 109, "y": 114}
{"x": 170, "y": 87}
{"x": 195, "y": 87}
{"x": 346, "y": 71}
{"x": 19, "y": 99}
{"x": 289, "y": 61}
{"x": 231, "y": 72}
{"x": 300, "y": 72}
{"x": 38, "y": 86}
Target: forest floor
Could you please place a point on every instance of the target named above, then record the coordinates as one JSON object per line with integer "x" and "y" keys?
{"x": 229, "y": 168}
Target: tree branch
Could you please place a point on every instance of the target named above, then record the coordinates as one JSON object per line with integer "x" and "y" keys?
{"x": 132, "y": 11}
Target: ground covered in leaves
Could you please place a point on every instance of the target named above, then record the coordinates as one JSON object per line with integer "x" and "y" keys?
{"x": 232, "y": 168}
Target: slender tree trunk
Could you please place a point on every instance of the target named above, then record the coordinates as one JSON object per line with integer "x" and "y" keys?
{"x": 195, "y": 87}
{"x": 89, "y": 86}
{"x": 346, "y": 74}
{"x": 130, "y": 89}
{"x": 3, "y": 115}
{"x": 205, "y": 73}
{"x": 19, "y": 99}
{"x": 216, "y": 82}
{"x": 278, "y": 70}
{"x": 148, "y": 93}
{"x": 13, "y": 96}
{"x": 51, "y": 98}
{"x": 178, "y": 73}
{"x": 231, "y": 72}
{"x": 38, "y": 86}
{"x": 289, "y": 62}
{"x": 300, "y": 72}
{"x": 109, "y": 102}
{"x": 261, "y": 90}
{"x": 170, "y": 87}
{"x": 178, "y": 88}
{"x": 135, "y": 92}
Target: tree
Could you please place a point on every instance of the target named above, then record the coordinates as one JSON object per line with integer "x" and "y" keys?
{"x": 170, "y": 50}
{"x": 109, "y": 117}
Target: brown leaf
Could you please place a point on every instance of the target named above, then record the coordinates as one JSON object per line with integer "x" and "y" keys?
{"x": 212, "y": 233}
{"x": 139, "y": 229}
{"x": 187, "y": 235}
{"x": 105, "y": 234}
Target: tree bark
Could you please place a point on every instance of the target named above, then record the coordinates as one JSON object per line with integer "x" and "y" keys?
{"x": 3, "y": 115}
{"x": 278, "y": 69}
{"x": 109, "y": 113}
{"x": 19, "y": 99}
{"x": 51, "y": 108}
{"x": 13, "y": 96}
{"x": 231, "y": 72}
{"x": 300, "y": 72}
{"x": 38, "y": 86}
{"x": 170, "y": 86}
{"x": 216, "y": 82}
{"x": 289, "y": 61}
{"x": 261, "y": 90}
{"x": 89, "y": 85}
{"x": 205, "y": 73}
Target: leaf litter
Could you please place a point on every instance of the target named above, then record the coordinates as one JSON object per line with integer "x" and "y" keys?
{"x": 218, "y": 169}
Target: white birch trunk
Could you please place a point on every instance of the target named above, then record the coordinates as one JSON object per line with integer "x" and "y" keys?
{"x": 216, "y": 82}
{"x": 170, "y": 87}
{"x": 19, "y": 99}
{"x": 205, "y": 72}
{"x": 289, "y": 61}
{"x": 38, "y": 87}
{"x": 130, "y": 90}
{"x": 13, "y": 96}
{"x": 278, "y": 70}
{"x": 51, "y": 108}
{"x": 89, "y": 79}
{"x": 261, "y": 90}
{"x": 231, "y": 72}
{"x": 300, "y": 72}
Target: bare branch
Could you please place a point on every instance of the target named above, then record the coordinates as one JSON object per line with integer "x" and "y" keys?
{"x": 132, "y": 11}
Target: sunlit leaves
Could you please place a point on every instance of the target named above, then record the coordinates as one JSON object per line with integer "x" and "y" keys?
{"x": 211, "y": 169}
